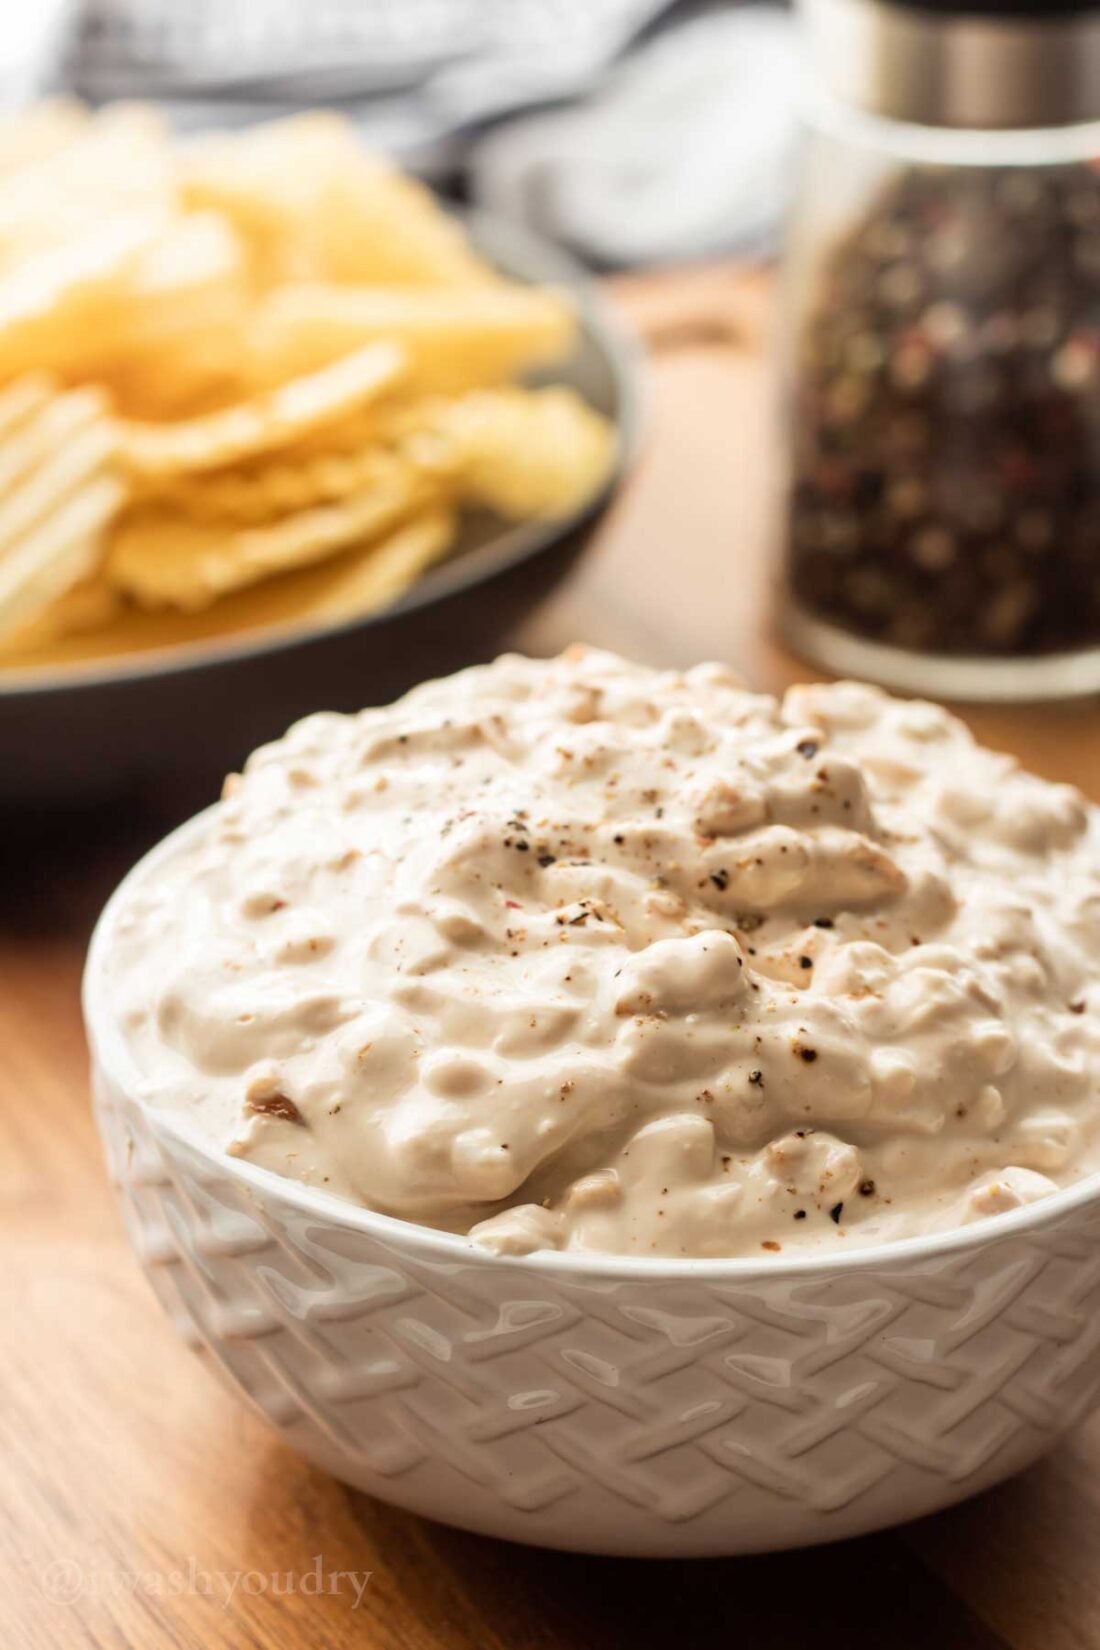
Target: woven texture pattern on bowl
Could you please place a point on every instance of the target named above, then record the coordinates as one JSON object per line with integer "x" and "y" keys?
{"x": 639, "y": 1414}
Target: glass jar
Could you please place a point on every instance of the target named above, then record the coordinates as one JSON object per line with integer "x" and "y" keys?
{"x": 942, "y": 371}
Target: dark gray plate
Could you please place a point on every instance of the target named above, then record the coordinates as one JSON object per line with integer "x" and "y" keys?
{"x": 193, "y": 711}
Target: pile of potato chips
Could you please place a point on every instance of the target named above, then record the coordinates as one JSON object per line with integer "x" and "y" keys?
{"x": 247, "y": 362}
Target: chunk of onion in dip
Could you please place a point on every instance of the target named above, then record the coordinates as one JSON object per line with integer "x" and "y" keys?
{"x": 577, "y": 954}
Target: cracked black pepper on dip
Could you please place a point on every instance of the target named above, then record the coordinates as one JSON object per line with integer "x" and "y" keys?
{"x": 350, "y": 972}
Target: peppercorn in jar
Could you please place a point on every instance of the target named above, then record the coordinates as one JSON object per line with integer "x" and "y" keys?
{"x": 943, "y": 373}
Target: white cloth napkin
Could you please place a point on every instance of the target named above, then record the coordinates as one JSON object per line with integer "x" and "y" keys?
{"x": 684, "y": 151}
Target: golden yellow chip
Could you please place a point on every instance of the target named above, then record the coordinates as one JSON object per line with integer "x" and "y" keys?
{"x": 162, "y": 559}
{"x": 268, "y": 488}
{"x": 135, "y": 284}
{"x": 520, "y": 452}
{"x": 117, "y": 165}
{"x": 348, "y": 585}
{"x": 361, "y": 581}
{"x": 267, "y": 421}
{"x": 49, "y": 303}
{"x": 190, "y": 278}
{"x": 87, "y": 606}
{"x": 94, "y": 621}
{"x": 182, "y": 295}
{"x": 59, "y": 550}
{"x": 55, "y": 494}
{"x": 313, "y": 204}
{"x": 71, "y": 431}
{"x": 48, "y": 476}
{"x": 180, "y": 378}
{"x": 260, "y": 367}
{"x": 454, "y": 339}
{"x": 22, "y": 399}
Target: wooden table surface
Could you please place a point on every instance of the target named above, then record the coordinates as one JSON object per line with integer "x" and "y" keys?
{"x": 136, "y": 1496}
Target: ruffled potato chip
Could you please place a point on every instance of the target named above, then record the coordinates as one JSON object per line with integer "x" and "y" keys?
{"x": 62, "y": 434}
{"x": 267, "y": 421}
{"x": 254, "y": 367}
{"x": 361, "y": 581}
{"x": 314, "y": 205}
{"x": 52, "y": 303}
{"x": 522, "y": 453}
{"x": 161, "y": 559}
{"x": 453, "y": 339}
{"x": 62, "y": 547}
{"x": 87, "y": 605}
{"x": 265, "y": 489}
{"x": 93, "y": 620}
{"x": 20, "y": 400}
{"x": 57, "y": 494}
{"x": 101, "y": 169}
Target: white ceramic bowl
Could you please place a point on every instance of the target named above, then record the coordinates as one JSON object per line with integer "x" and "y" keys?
{"x": 599, "y": 1403}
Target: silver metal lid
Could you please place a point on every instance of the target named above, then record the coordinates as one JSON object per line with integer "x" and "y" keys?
{"x": 972, "y": 70}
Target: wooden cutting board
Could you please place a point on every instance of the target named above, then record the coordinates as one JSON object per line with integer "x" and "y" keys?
{"x": 141, "y": 1507}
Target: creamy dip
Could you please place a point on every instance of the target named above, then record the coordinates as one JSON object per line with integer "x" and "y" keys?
{"x": 575, "y": 954}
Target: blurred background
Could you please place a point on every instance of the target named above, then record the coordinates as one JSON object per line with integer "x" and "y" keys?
{"x": 834, "y": 272}
{"x": 631, "y": 131}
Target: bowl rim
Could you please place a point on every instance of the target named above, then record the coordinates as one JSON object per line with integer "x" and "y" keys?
{"x": 516, "y": 251}
{"x": 112, "y": 1060}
